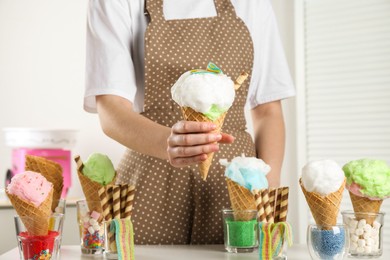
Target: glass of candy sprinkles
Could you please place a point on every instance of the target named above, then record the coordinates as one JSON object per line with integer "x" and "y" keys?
{"x": 328, "y": 242}
{"x": 91, "y": 229}
{"x": 365, "y": 233}
{"x": 240, "y": 230}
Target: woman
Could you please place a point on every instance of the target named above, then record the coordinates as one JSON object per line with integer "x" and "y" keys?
{"x": 135, "y": 53}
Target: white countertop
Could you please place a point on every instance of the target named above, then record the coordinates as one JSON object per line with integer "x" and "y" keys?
{"x": 180, "y": 252}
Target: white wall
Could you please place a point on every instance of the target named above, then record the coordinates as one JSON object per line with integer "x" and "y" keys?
{"x": 42, "y": 50}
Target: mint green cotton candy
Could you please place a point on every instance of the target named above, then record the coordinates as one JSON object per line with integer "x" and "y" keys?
{"x": 373, "y": 177}
{"x": 214, "y": 112}
{"x": 99, "y": 168}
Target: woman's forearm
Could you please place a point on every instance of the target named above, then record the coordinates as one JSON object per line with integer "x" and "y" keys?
{"x": 121, "y": 123}
{"x": 269, "y": 133}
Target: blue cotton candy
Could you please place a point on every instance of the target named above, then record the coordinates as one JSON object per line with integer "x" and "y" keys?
{"x": 248, "y": 172}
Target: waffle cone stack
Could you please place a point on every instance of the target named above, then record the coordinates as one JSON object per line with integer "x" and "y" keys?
{"x": 52, "y": 171}
{"x": 90, "y": 188}
{"x": 35, "y": 219}
{"x": 324, "y": 208}
{"x": 241, "y": 199}
{"x": 191, "y": 115}
{"x": 366, "y": 205}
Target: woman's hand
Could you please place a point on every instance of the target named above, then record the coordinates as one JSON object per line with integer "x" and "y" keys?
{"x": 190, "y": 142}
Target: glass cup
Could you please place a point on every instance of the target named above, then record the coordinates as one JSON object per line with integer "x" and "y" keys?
{"x": 328, "y": 242}
{"x": 110, "y": 249}
{"x": 127, "y": 238}
{"x": 240, "y": 230}
{"x": 365, "y": 233}
{"x": 274, "y": 239}
{"x": 61, "y": 206}
{"x": 90, "y": 228}
{"x": 33, "y": 246}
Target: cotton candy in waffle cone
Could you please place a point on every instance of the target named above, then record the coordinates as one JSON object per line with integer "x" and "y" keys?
{"x": 52, "y": 171}
{"x": 241, "y": 199}
{"x": 35, "y": 219}
{"x": 363, "y": 204}
{"x": 90, "y": 188}
{"x": 324, "y": 208}
{"x": 191, "y": 115}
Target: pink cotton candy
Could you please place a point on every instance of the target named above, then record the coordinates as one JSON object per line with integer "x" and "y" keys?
{"x": 30, "y": 186}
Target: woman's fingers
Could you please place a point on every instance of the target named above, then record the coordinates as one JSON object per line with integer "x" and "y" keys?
{"x": 190, "y": 142}
{"x": 190, "y": 151}
{"x": 226, "y": 139}
{"x": 186, "y": 161}
{"x": 193, "y": 139}
{"x": 185, "y": 127}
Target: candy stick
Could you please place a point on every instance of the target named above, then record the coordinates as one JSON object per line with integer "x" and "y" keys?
{"x": 116, "y": 213}
{"x": 79, "y": 163}
{"x": 240, "y": 80}
{"x": 123, "y": 198}
{"x": 272, "y": 200}
{"x": 129, "y": 201}
{"x": 104, "y": 202}
{"x": 284, "y": 204}
{"x": 267, "y": 207}
{"x": 277, "y": 205}
{"x": 116, "y": 203}
{"x": 259, "y": 206}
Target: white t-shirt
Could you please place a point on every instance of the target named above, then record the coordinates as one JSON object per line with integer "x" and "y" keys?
{"x": 115, "y": 48}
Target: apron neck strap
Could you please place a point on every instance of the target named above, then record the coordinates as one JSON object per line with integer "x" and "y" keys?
{"x": 155, "y": 9}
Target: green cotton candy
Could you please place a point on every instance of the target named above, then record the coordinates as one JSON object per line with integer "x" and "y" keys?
{"x": 99, "y": 168}
{"x": 373, "y": 177}
{"x": 214, "y": 112}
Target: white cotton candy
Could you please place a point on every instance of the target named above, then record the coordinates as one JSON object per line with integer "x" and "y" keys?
{"x": 323, "y": 177}
{"x": 201, "y": 91}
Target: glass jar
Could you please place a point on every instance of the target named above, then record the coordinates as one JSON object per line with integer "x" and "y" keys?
{"x": 328, "y": 242}
{"x": 366, "y": 233}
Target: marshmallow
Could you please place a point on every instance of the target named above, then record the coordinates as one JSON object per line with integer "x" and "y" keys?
{"x": 353, "y": 246}
{"x": 360, "y": 249}
{"x": 366, "y": 235}
{"x": 354, "y": 238}
{"x": 376, "y": 225}
{"x": 85, "y": 219}
{"x": 92, "y": 221}
{"x": 361, "y": 242}
{"x": 367, "y": 249}
{"x": 367, "y": 228}
{"x": 362, "y": 223}
{"x": 369, "y": 241}
{"x": 96, "y": 227}
{"x": 95, "y": 215}
{"x": 359, "y": 231}
{"x": 91, "y": 230}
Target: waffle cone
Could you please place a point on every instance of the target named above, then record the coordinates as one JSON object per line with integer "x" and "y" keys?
{"x": 90, "y": 190}
{"x": 241, "y": 199}
{"x": 324, "y": 208}
{"x": 363, "y": 204}
{"x": 35, "y": 219}
{"x": 52, "y": 171}
{"x": 191, "y": 115}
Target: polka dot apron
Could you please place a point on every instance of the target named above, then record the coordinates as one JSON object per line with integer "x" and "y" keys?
{"x": 175, "y": 206}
